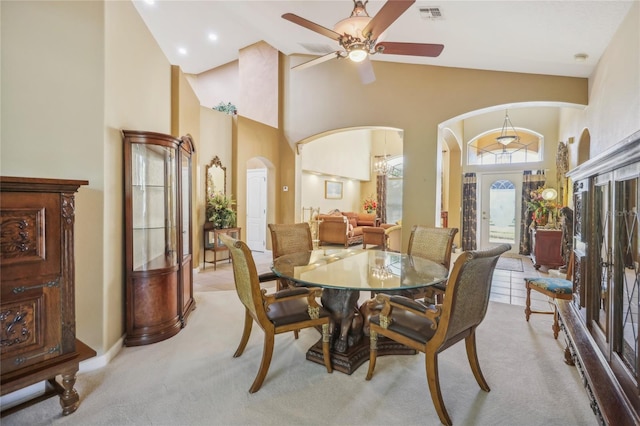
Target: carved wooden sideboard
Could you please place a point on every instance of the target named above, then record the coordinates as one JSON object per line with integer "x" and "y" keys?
{"x": 601, "y": 322}
{"x": 37, "y": 313}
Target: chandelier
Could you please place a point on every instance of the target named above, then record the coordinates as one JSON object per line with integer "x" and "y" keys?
{"x": 381, "y": 166}
{"x": 505, "y": 138}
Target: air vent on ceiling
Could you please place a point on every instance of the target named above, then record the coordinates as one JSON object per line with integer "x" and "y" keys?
{"x": 432, "y": 12}
{"x": 318, "y": 48}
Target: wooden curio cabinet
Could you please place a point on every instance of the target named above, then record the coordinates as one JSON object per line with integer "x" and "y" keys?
{"x": 37, "y": 312}
{"x": 158, "y": 255}
{"x": 601, "y": 322}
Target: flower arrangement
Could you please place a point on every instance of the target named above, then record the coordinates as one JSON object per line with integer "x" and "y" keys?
{"x": 370, "y": 204}
{"x": 219, "y": 211}
{"x": 542, "y": 209}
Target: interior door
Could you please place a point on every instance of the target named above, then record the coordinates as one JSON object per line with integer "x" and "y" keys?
{"x": 257, "y": 209}
{"x": 500, "y": 205}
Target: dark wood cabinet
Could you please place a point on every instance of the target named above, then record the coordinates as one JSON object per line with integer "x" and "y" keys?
{"x": 546, "y": 248}
{"x": 601, "y": 322}
{"x": 213, "y": 243}
{"x": 37, "y": 313}
{"x": 158, "y": 255}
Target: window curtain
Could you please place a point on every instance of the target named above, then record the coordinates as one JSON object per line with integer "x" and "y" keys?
{"x": 381, "y": 195}
{"x": 530, "y": 182}
{"x": 469, "y": 211}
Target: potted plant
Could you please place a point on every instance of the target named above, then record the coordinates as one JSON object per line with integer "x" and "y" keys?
{"x": 220, "y": 211}
{"x": 543, "y": 210}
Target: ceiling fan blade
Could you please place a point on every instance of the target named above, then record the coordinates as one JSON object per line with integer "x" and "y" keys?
{"x": 316, "y": 61}
{"x": 311, "y": 26}
{"x": 389, "y": 12}
{"x": 411, "y": 49}
{"x": 365, "y": 69}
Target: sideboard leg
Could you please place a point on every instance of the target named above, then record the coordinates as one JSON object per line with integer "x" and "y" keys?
{"x": 69, "y": 399}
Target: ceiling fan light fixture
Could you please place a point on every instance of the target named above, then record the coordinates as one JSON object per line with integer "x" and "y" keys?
{"x": 358, "y": 54}
{"x": 352, "y": 26}
{"x": 505, "y": 138}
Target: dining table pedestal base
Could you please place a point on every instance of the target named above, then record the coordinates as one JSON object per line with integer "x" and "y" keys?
{"x": 358, "y": 354}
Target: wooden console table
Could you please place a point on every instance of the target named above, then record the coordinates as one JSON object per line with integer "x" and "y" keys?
{"x": 546, "y": 248}
{"x": 213, "y": 243}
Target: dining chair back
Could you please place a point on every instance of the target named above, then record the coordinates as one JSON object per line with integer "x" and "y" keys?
{"x": 435, "y": 244}
{"x": 279, "y": 312}
{"x": 288, "y": 238}
{"x": 432, "y": 243}
{"x": 433, "y": 328}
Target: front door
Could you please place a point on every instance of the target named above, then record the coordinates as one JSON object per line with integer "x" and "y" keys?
{"x": 500, "y": 206}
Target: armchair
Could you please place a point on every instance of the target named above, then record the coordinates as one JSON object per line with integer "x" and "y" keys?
{"x": 387, "y": 237}
{"x": 433, "y": 328}
{"x": 279, "y": 312}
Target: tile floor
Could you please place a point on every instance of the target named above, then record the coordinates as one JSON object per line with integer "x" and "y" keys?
{"x": 507, "y": 286}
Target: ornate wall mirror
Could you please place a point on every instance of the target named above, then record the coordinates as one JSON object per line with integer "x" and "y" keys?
{"x": 216, "y": 177}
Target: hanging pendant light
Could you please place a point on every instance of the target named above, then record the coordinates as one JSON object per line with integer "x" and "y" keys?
{"x": 505, "y": 137}
{"x": 381, "y": 165}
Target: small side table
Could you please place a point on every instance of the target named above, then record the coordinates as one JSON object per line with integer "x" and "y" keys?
{"x": 213, "y": 243}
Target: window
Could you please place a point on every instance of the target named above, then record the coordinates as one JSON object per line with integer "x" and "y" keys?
{"x": 394, "y": 189}
{"x": 486, "y": 150}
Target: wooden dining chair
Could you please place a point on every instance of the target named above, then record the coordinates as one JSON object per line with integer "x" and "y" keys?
{"x": 434, "y": 244}
{"x": 279, "y": 312}
{"x": 433, "y": 328}
{"x": 289, "y": 238}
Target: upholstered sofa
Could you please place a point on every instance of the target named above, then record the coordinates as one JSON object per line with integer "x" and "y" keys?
{"x": 344, "y": 227}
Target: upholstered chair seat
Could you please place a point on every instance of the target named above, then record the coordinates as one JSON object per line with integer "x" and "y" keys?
{"x": 553, "y": 288}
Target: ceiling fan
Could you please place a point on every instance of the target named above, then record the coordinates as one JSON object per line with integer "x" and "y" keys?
{"x": 358, "y": 35}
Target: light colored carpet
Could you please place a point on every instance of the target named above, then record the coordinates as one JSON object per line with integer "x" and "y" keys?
{"x": 192, "y": 379}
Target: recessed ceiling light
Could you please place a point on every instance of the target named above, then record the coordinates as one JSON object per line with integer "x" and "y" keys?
{"x": 580, "y": 57}
{"x": 149, "y": 1}
{"x": 213, "y": 37}
{"x": 182, "y": 51}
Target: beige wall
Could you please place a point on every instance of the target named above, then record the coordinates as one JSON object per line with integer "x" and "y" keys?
{"x": 53, "y": 108}
{"x": 346, "y": 154}
{"x": 417, "y": 102}
{"x": 614, "y": 94}
{"x": 258, "y": 95}
{"x": 65, "y": 103}
{"x": 221, "y": 84}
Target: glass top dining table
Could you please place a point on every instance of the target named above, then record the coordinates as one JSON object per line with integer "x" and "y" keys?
{"x": 344, "y": 274}
{"x": 359, "y": 269}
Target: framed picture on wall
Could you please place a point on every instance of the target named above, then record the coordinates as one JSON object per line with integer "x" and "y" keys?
{"x": 332, "y": 190}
